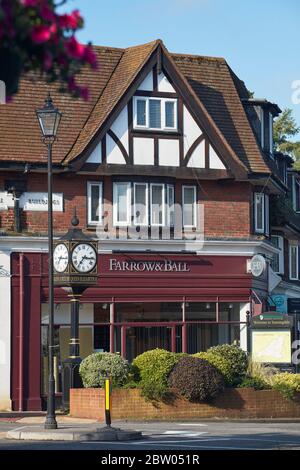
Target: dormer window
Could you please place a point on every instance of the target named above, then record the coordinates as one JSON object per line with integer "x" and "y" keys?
{"x": 155, "y": 113}
{"x": 271, "y": 143}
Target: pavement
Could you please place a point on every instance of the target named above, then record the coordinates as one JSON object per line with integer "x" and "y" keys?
{"x": 191, "y": 435}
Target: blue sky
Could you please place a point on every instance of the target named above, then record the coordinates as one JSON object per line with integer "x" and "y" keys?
{"x": 258, "y": 38}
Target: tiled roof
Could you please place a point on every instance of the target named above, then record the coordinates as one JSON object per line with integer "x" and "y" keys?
{"x": 210, "y": 79}
{"x": 216, "y": 86}
{"x": 20, "y": 137}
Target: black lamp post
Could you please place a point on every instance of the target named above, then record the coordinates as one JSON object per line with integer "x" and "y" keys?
{"x": 49, "y": 118}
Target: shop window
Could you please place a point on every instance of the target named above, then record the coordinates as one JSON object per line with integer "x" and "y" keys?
{"x": 277, "y": 262}
{"x": 189, "y": 206}
{"x": 229, "y": 312}
{"x": 94, "y": 202}
{"x": 148, "y": 312}
{"x": 200, "y": 311}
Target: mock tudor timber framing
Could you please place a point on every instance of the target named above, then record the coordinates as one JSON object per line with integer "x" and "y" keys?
{"x": 184, "y": 94}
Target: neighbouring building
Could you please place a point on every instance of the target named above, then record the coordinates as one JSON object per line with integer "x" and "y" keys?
{"x": 171, "y": 165}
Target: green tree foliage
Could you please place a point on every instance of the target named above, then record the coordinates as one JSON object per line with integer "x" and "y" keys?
{"x": 285, "y": 129}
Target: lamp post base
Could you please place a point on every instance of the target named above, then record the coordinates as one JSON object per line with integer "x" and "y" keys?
{"x": 50, "y": 423}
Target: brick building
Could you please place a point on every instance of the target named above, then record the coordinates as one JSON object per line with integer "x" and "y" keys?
{"x": 171, "y": 165}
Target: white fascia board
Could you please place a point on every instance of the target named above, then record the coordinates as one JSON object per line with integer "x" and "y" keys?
{"x": 207, "y": 247}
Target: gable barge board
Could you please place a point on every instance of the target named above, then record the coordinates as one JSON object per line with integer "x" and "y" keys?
{"x": 200, "y": 116}
{"x": 80, "y": 160}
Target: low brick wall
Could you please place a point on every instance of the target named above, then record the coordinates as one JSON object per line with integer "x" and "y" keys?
{"x": 232, "y": 403}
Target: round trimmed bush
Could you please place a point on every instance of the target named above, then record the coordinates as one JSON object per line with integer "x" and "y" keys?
{"x": 230, "y": 360}
{"x": 196, "y": 379}
{"x": 152, "y": 369}
{"x": 97, "y": 366}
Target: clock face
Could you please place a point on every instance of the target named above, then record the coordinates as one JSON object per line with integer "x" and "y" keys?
{"x": 60, "y": 258}
{"x": 84, "y": 257}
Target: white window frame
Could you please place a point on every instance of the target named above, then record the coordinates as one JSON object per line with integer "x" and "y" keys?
{"x": 194, "y": 204}
{"x": 280, "y": 246}
{"x": 162, "y": 111}
{"x": 147, "y": 204}
{"x": 256, "y": 229}
{"x": 271, "y": 139}
{"x": 163, "y": 205}
{"x": 291, "y": 249}
{"x": 168, "y": 205}
{"x": 115, "y": 209}
{"x": 267, "y": 214}
{"x": 262, "y": 127}
{"x": 89, "y": 202}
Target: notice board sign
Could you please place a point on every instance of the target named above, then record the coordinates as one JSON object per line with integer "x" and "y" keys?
{"x": 271, "y": 346}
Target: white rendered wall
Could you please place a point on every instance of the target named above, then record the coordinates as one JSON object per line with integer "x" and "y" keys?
{"x": 147, "y": 83}
{"x": 244, "y": 308}
{"x": 197, "y": 159}
{"x": 113, "y": 153}
{"x": 5, "y": 330}
{"x": 120, "y": 127}
{"x": 143, "y": 151}
{"x": 96, "y": 155}
{"x": 191, "y": 130}
{"x": 163, "y": 84}
{"x": 214, "y": 161}
{"x": 168, "y": 152}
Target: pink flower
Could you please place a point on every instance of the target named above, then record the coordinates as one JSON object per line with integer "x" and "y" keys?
{"x": 30, "y": 3}
{"x": 48, "y": 60}
{"x": 40, "y": 34}
{"x": 72, "y": 21}
{"x": 47, "y": 13}
{"x": 90, "y": 57}
{"x": 74, "y": 49}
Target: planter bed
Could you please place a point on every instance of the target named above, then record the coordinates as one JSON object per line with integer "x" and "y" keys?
{"x": 231, "y": 403}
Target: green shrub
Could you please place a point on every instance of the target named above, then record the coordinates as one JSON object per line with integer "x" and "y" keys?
{"x": 152, "y": 369}
{"x": 254, "y": 382}
{"x": 230, "y": 360}
{"x": 196, "y": 379}
{"x": 95, "y": 367}
{"x": 288, "y": 384}
{"x": 263, "y": 372}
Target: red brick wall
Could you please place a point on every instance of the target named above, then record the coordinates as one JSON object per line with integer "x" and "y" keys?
{"x": 226, "y": 204}
{"x": 232, "y": 403}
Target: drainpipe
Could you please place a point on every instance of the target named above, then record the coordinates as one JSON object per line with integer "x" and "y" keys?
{"x": 112, "y": 326}
{"x": 184, "y": 328}
{"x": 21, "y": 333}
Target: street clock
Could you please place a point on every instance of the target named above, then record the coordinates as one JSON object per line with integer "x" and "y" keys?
{"x": 75, "y": 258}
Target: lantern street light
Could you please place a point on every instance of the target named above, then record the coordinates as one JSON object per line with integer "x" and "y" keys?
{"x": 49, "y": 118}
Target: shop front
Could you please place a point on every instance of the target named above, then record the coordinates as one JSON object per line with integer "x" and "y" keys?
{"x": 183, "y": 303}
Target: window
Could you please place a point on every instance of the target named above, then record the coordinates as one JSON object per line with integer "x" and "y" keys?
{"x": 157, "y": 204}
{"x": 293, "y": 262}
{"x": 262, "y": 128}
{"x": 94, "y": 202}
{"x": 259, "y": 207}
{"x": 121, "y": 207}
{"x": 189, "y": 206}
{"x": 170, "y": 215}
{"x": 140, "y": 203}
{"x": 296, "y": 194}
{"x": 152, "y": 202}
{"x": 277, "y": 262}
{"x": 155, "y": 113}
{"x": 271, "y": 133}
